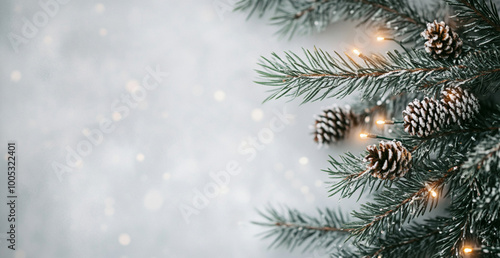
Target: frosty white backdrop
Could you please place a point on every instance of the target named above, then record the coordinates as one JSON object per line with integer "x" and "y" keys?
{"x": 140, "y": 131}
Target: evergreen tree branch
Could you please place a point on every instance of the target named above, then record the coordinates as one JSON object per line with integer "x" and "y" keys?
{"x": 483, "y": 11}
{"x": 399, "y": 204}
{"x": 472, "y": 216}
{"x": 479, "y": 21}
{"x": 400, "y": 17}
{"x": 480, "y": 73}
{"x": 320, "y": 76}
{"x": 458, "y": 138}
{"x": 354, "y": 177}
{"x": 290, "y": 225}
{"x": 293, "y": 229}
{"x": 483, "y": 167}
{"x": 418, "y": 239}
{"x": 324, "y": 76}
{"x": 260, "y": 6}
{"x": 458, "y": 224}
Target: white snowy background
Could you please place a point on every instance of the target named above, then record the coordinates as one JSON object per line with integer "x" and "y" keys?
{"x": 123, "y": 198}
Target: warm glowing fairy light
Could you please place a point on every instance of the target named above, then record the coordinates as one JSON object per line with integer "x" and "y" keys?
{"x": 356, "y": 52}
{"x": 369, "y": 135}
{"x": 434, "y": 194}
{"x": 380, "y": 38}
{"x": 467, "y": 250}
{"x": 388, "y": 122}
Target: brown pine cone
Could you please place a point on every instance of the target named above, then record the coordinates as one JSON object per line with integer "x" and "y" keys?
{"x": 423, "y": 118}
{"x": 459, "y": 105}
{"x": 333, "y": 124}
{"x": 442, "y": 42}
{"x": 389, "y": 161}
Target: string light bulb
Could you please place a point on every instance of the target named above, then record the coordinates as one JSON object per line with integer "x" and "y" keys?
{"x": 374, "y": 136}
{"x": 380, "y": 38}
{"x": 434, "y": 194}
{"x": 388, "y": 122}
{"x": 356, "y": 52}
{"x": 467, "y": 250}
{"x": 370, "y": 135}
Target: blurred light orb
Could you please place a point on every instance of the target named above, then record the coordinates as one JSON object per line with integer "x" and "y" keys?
{"x": 15, "y": 76}
{"x": 124, "y": 239}
{"x": 20, "y": 254}
{"x": 99, "y": 8}
{"x": 224, "y": 190}
{"x": 153, "y": 200}
{"x": 86, "y": 131}
{"x": 140, "y": 157}
{"x": 257, "y": 114}
{"x": 219, "y": 95}
{"x": 166, "y": 176}
{"x": 47, "y": 40}
{"x": 116, "y": 116}
{"x": 103, "y": 32}
{"x": 132, "y": 86}
{"x": 303, "y": 160}
{"x": 304, "y": 189}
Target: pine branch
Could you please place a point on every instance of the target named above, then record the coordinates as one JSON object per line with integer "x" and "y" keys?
{"x": 416, "y": 240}
{"x": 412, "y": 241}
{"x": 486, "y": 155}
{"x": 354, "y": 177}
{"x": 260, "y": 6}
{"x": 293, "y": 229}
{"x": 324, "y": 76}
{"x": 480, "y": 21}
{"x": 480, "y": 73}
{"x": 421, "y": 237}
{"x": 320, "y": 76}
{"x": 460, "y": 139}
{"x": 406, "y": 200}
{"x": 472, "y": 216}
{"x": 483, "y": 166}
{"x": 458, "y": 225}
{"x": 402, "y": 18}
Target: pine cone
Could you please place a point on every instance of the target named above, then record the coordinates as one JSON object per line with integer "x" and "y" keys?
{"x": 389, "y": 161}
{"x": 333, "y": 124}
{"x": 424, "y": 117}
{"x": 459, "y": 105}
{"x": 441, "y": 42}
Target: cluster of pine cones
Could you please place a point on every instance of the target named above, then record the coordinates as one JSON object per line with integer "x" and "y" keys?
{"x": 456, "y": 106}
{"x": 390, "y": 159}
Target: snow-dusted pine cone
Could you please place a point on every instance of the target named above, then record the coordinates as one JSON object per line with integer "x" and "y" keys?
{"x": 424, "y": 117}
{"x": 459, "y": 105}
{"x": 389, "y": 161}
{"x": 441, "y": 42}
{"x": 333, "y": 124}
